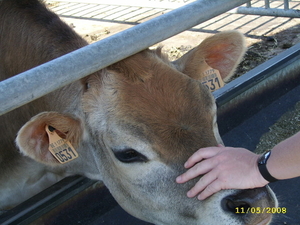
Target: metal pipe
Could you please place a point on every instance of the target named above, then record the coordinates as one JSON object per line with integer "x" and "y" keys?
{"x": 147, "y": 4}
{"x": 267, "y": 12}
{"x": 257, "y": 88}
{"x": 265, "y": 71}
{"x": 30, "y": 85}
{"x": 267, "y": 4}
{"x": 286, "y": 5}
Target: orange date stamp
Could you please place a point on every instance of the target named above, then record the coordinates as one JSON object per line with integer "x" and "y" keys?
{"x": 260, "y": 210}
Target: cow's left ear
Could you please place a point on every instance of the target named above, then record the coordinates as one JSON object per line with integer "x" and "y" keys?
{"x": 222, "y": 52}
{"x": 33, "y": 140}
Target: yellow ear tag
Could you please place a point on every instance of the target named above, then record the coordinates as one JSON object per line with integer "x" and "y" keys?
{"x": 212, "y": 78}
{"x": 60, "y": 148}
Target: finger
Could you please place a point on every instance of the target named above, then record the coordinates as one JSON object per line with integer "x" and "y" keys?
{"x": 197, "y": 170}
{"x": 212, "y": 188}
{"x": 202, "y": 153}
{"x": 202, "y": 184}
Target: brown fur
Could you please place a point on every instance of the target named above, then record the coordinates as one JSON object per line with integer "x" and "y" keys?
{"x": 164, "y": 111}
{"x": 32, "y": 19}
{"x": 31, "y": 35}
{"x": 156, "y": 110}
{"x": 20, "y": 51}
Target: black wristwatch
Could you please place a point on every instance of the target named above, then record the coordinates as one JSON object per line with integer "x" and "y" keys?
{"x": 262, "y": 166}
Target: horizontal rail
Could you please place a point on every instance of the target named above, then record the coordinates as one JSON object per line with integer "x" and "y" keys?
{"x": 267, "y": 12}
{"x": 30, "y": 85}
{"x": 259, "y": 73}
{"x": 140, "y": 3}
{"x": 51, "y": 197}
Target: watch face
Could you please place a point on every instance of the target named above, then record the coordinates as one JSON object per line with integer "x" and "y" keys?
{"x": 263, "y": 159}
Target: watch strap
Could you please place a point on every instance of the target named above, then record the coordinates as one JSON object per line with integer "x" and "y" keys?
{"x": 262, "y": 166}
{"x": 265, "y": 173}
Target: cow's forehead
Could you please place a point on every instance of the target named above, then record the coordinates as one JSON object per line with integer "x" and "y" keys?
{"x": 174, "y": 112}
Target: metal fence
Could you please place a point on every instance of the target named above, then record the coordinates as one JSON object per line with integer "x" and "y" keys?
{"x": 27, "y": 86}
{"x": 283, "y": 10}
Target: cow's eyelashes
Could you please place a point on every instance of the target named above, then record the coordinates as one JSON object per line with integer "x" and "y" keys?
{"x": 87, "y": 86}
{"x": 129, "y": 155}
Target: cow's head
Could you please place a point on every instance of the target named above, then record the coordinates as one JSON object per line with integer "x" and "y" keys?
{"x": 143, "y": 117}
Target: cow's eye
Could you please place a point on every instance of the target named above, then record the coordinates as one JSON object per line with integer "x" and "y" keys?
{"x": 87, "y": 86}
{"x": 130, "y": 156}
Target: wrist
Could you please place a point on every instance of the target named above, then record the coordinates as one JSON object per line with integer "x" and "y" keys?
{"x": 262, "y": 167}
{"x": 259, "y": 179}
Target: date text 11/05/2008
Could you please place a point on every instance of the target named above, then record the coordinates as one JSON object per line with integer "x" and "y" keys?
{"x": 258, "y": 210}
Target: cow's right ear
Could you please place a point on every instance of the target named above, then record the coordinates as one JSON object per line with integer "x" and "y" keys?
{"x": 33, "y": 140}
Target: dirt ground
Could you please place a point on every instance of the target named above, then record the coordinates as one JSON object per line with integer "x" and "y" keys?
{"x": 285, "y": 127}
{"x": 268, "y": 47}
{"x": 266, "y": 36}
{"x": 260, "y": 48}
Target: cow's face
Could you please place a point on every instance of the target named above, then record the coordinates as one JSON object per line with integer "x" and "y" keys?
{"x": 144, "y": 116}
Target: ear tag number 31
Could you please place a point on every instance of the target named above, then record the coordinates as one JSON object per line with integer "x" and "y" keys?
{"x": 60, "y": 148}
{"x": 212, "y": 79}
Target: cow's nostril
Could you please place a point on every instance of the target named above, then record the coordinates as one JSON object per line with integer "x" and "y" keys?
{"x": 236, "y": 206}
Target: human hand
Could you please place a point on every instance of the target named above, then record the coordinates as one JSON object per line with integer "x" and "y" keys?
{"x": 223, "y": 168}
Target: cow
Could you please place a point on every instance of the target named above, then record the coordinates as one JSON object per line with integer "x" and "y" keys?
{"x": 131, "y": 125}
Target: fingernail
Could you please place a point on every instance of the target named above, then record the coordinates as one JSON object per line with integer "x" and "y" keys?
{"x": 199, "y": 198}
{"x": 186, "y": 165}
{"x": 178, "y": 179}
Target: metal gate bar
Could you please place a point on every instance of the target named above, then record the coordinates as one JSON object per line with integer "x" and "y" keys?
{"x": 29, "y": 85}
{"x": 268, "y": 11}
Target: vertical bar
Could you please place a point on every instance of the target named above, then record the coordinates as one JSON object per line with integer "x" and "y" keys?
{"x": 286, "y": 5}
{"x": 267, "y": 4}
{"x": 248, "y": 4}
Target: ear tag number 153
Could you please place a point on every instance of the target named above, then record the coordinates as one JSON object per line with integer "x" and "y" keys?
{"x": 60, "y": 148}
{"x": 212, "y": 79}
